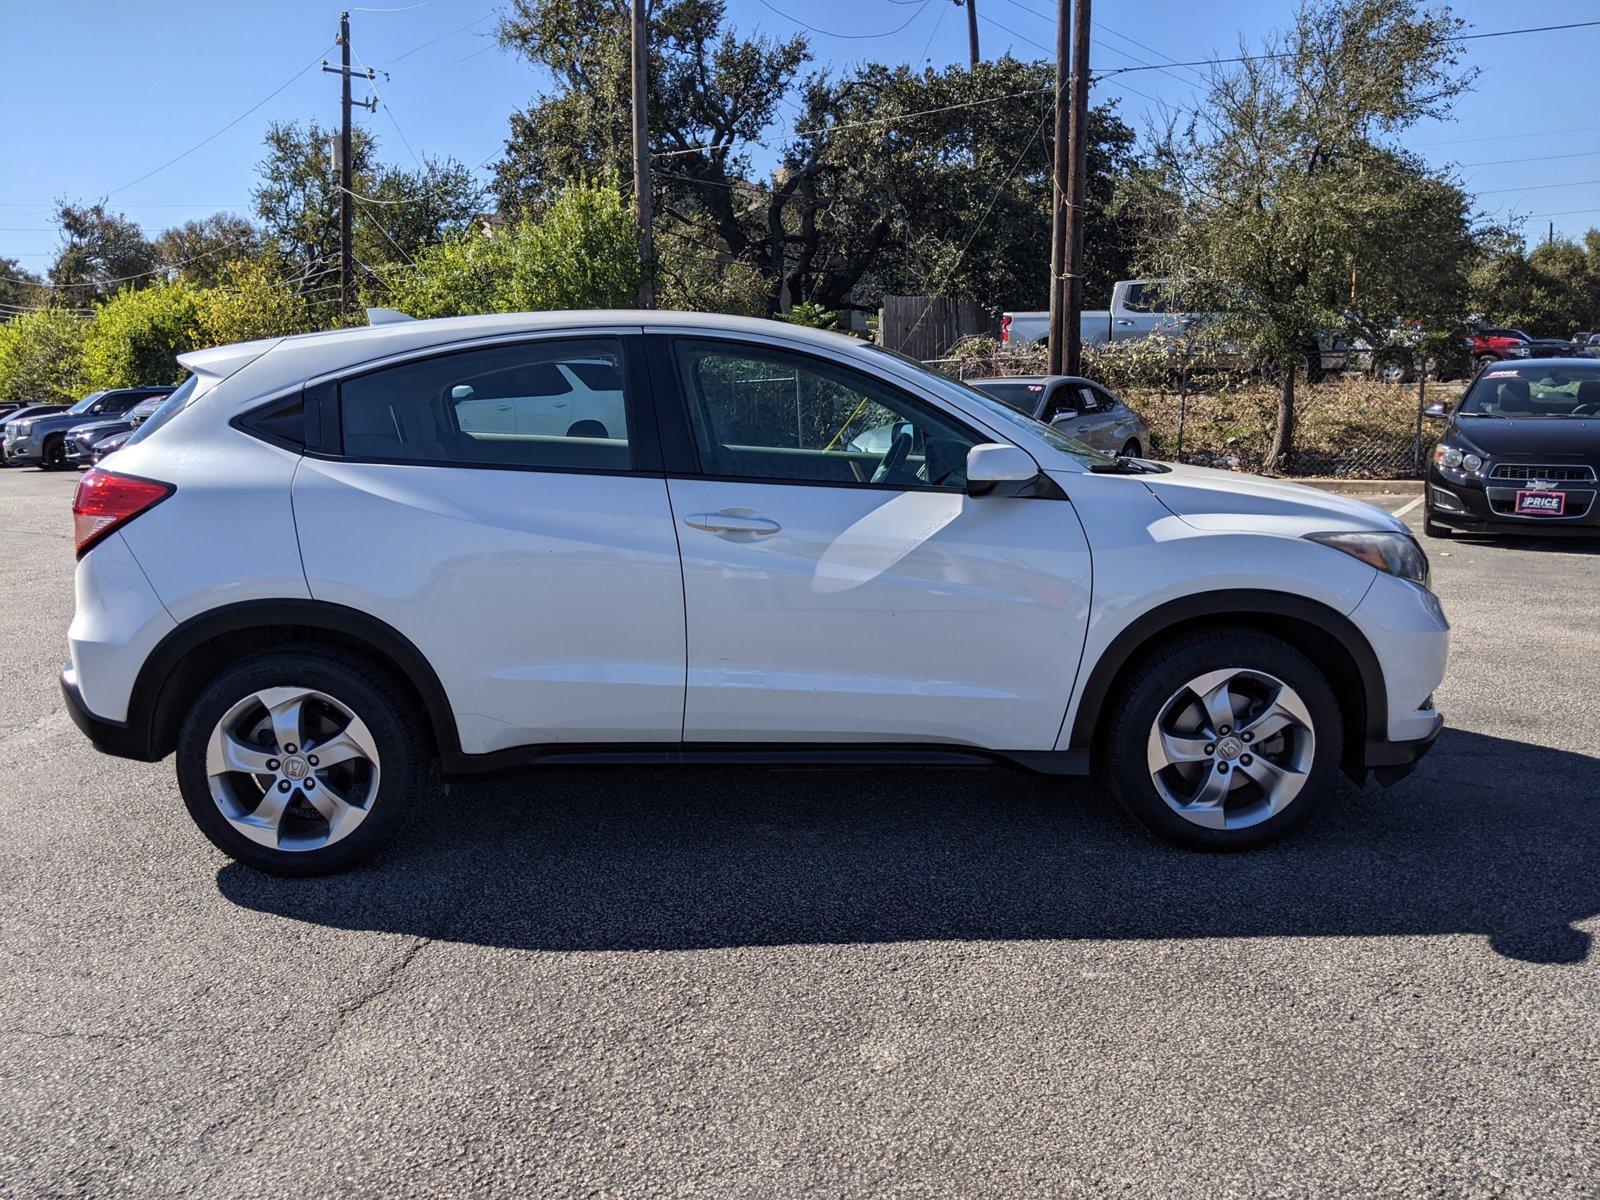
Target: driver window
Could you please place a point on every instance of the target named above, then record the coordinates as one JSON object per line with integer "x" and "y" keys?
{"x": 772, "y": 415}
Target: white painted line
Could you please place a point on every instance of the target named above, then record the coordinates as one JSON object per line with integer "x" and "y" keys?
{"x": 1407, "y": 507}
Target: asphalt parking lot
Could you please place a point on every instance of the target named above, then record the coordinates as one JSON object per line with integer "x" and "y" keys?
{"x": 772, "y": 983}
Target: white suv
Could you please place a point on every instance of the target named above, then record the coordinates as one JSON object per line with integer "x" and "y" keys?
{"x": 324, "y": 563}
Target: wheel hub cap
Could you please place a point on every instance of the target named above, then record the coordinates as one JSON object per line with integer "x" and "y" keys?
{"x": 1231, "y": 748}
{"x": 292, "y": 768}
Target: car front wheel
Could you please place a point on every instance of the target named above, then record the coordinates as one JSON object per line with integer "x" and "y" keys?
{"x": 1223, "y": 739}
{"x": 300, "y": 761}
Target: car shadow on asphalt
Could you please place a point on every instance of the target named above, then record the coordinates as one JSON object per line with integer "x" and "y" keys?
{"x": 1490, "y": 837}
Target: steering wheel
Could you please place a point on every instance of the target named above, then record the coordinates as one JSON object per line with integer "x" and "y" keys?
{"x": 894, "y": 456}
{"x": 1587, "y": 410}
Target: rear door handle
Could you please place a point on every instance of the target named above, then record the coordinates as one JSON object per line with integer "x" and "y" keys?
{"x": 734, "y": 521}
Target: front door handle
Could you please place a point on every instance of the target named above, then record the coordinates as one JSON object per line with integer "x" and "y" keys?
{"x": 744, "y": 521}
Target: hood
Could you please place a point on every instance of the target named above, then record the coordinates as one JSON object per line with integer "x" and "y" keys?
{"x": 65, "y": 421}
{"x": 101, "y": 425}
{"x": 1557, "y": 439}
{"x": 1223, "y": 500}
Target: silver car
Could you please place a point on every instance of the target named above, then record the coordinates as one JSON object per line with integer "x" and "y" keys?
{"x": 1078, "y": 407}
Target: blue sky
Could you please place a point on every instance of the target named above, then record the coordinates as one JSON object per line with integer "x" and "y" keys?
{"x": 100, "y": 93}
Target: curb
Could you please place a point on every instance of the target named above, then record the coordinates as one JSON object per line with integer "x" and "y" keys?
{"x": 1349, "y": 487}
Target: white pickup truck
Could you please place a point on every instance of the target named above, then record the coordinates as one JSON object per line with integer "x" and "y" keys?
{"x": 1139, "y": 307}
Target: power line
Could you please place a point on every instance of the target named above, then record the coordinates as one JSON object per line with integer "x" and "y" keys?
{"x": 225, "y": 128}
{"x": 1506, "y": 137}
{"x": 1538, "y": 187}
{"x": 848, "y": 36}
{"x": 440, "y": 38}
{"x": 165, "y": 267}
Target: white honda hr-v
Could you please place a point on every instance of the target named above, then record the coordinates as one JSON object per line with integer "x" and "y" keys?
{"x": 329, "y": 560}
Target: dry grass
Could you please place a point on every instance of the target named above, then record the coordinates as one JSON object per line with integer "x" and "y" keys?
{"x": 1352, "y": 428}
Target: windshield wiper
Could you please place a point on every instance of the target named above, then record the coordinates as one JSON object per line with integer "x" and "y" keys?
{"x": 1127, "y": 466}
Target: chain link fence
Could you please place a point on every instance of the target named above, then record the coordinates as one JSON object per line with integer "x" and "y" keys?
{"x": 1345, "y": 427}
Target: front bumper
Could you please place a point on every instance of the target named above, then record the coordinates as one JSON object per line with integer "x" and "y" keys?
{"x": 23, "y": 450}
{"x": 1476, "y": 504}
{"x": 1390, "y": 762}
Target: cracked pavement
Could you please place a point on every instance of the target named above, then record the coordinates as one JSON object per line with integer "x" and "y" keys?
{"x": 756, "y": 983}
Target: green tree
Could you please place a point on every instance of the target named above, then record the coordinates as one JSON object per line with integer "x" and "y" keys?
{"x": 881, "y": 187}
{"x": 19, "y": 289}
{"x": 1551, "y": 290}
{"x": 102, "y": 253}
{"x": 578, "y": 252}
{"x": 136, "y": 336}
{"x": 204, "y": 251}
{"x": 1280, "y": 203}
{"x": 396, "y": 212}
{"x": 41, "y": 356}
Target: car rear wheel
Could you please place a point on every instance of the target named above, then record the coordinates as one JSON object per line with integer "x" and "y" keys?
{"x": 301, "y": 761}
{"x": 1223, "y": 739}
{"x": 1132, "y": 449}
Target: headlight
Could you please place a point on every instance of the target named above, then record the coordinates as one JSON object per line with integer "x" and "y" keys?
{"x": 1392, "y": 553}
{"x": 1517, "y": 351}
{"x": 1453, "y": 458}
{"x": 21, "y": 428}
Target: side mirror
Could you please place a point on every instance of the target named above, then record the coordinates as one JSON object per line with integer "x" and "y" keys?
{"x": 992, "y": 464}
{"x": 462, "y": 391}
{"x": 1065, "y": 415}
{"x": 1436, "y": 409}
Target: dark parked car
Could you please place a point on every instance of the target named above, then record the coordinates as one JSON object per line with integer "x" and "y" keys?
{"x": 82, "y": 440}
{"x": 42, "y": 440}
{"x": 106, "y": 445}
{"x": 1521, "y": 452}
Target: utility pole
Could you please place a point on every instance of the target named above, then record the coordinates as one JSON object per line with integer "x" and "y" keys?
{"x": 1077, "y": 182}
{"x": 1058, "y": 220}
{"x": 972, "y": 30}
{"x": 343, "y": 70}
{"x": 641, "y": 155}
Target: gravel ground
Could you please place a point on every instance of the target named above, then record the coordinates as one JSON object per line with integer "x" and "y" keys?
{"x": 851, "y": 982}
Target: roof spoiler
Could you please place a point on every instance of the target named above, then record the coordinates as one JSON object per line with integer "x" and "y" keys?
{"x": 387, "y": 316}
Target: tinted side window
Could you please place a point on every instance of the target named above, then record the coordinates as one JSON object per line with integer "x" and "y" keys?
{"x": 770, "y": 414}
{"x": 555, "y": 404}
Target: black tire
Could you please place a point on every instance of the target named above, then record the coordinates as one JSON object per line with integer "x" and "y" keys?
{"x": 53, "y": 454}
{"x": 1435, "y": 530}
{"x": 1158, "y": 676}
{"x": 404, "y": 752}
{"x": 1133, "y": 449}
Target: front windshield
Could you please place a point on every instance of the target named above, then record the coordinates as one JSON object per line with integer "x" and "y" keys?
{"x": 1524, "y": 392}
{"x": 1003, "y": 414}
{"x": 84, "y": 405}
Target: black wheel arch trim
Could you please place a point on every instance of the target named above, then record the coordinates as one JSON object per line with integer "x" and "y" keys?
{"x": 1238, "y": 602}
{"x": 146, "y": 717}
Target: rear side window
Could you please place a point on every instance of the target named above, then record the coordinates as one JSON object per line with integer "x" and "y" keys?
{"x": 556, "y": 405}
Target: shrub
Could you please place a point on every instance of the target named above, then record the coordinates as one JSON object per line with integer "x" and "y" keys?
{"x": 41, "y": 356}
{"x": 253, "y": 302}
{"x": 578, "y": 252}
{"x": 135, "y": 336}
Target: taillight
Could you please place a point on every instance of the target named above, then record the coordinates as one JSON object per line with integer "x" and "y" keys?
{"x": 1005, "y": 329}
{"x": 105, "y": 501}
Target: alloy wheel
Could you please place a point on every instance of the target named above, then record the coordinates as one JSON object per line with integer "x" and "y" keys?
{"x": 292, "y": 768}
{"x": 1231, "y": 748}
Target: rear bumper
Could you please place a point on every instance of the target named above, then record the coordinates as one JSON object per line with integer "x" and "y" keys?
{"x": 118, "y": 738}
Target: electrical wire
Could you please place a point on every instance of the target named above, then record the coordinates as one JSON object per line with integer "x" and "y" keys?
{"x": 225, "y": 128}
{"x": 440, "y": 38}
{"x": 848, "y": 36}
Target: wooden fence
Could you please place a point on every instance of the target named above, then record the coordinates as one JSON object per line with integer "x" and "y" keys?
{"x": 926, "y": 326}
